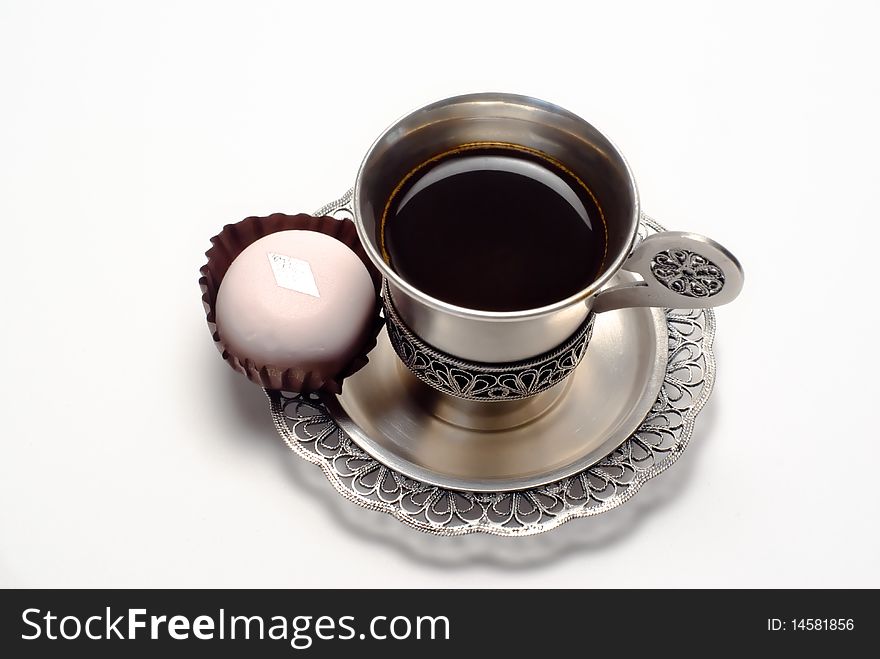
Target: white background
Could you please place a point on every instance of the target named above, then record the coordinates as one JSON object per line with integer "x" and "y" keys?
{"x": 131, "y": 132}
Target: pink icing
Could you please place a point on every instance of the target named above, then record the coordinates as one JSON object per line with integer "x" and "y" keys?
{"x": 295, "y": 299}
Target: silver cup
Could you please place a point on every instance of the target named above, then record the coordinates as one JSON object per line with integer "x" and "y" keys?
{"x": 675, "y": 269}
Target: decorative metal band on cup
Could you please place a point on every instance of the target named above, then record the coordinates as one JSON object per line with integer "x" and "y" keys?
{"x": 480, "y": 380}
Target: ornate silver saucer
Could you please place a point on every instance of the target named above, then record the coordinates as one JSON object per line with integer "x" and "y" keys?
{"x": 581, "y": 448}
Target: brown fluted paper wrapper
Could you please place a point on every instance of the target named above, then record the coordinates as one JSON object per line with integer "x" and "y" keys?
{"x": 229, "y": 243}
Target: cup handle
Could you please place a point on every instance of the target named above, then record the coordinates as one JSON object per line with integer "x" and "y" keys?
{"x": 679, "y": 270}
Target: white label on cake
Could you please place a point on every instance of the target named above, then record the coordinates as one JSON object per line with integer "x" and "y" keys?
{"x": 293, "y": 274}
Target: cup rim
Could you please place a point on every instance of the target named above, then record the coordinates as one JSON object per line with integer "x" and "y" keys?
{"x": 466, "y": 312}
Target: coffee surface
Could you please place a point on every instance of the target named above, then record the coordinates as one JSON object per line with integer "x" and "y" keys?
{"x": 496, "y": 229}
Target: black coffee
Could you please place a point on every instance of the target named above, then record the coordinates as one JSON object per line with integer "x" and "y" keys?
{"x": 494, "y": 228}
